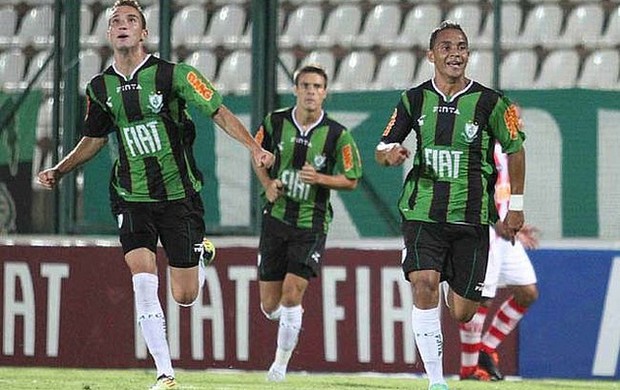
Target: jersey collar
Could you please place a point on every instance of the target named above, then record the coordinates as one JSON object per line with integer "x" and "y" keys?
{"x": 459, "y": 93}
{"x": 300, "y": 127}
{"x": 133, "y": 73}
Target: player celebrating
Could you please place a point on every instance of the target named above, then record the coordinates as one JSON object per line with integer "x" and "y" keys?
{"x": 446, "y": 196}
{"x": 155, "y": 184}
{"x": 314, "y": 155}
{"x": 509, "y": 265}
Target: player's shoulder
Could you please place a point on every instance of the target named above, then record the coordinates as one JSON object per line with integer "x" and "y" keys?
{"x": 333, "y": 124}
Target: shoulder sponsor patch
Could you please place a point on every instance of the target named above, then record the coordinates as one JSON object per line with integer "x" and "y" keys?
{"x": 512, "y": 118}
{"x": 199, "y": 86}
{"x": 390, "y": 124}
{"x": 347, "y": 158}
{"x": 260, "y": 135}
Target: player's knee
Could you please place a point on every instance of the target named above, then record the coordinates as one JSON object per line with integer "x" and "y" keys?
{"x": 185, "y": 298}
{"x": 525, "y": 296}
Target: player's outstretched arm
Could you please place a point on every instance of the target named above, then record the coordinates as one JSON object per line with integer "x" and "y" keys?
{"x": 86, "y": 149}
{"x": 233, "y": 127}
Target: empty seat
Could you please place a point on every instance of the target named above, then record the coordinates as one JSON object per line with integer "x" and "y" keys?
{"x": 417, "y": 27}
{"x": 584, "y": 26}
{"x": 382, "y": 25}
{"x": 518, "y": 69}
{"x": 469, "y": 16}
{"x": 356, "y": 72}
{"x": 325, "y": 58}
{"x": 235, "y": 72}
{"x": 90, "y": 65}
{"x": 303, "y": 27}
{"x": 46, "y": 78}
{"x": 205, "y": 61}
{"x": 512, "y": 16}
{"x": 342, "y": 26}
{"x": 36, "y": 28}
{"x": 480, "y": 67}
{"x": 151, "y": 15}
{"x": 12, "y": 65}
{"x": 283, "y": 76}
{"x": 226, "y": 26}
{"x": 86, "y": 19}
{"x": 8, "y": 25}
{"x": 600, "y": 70}
{"x": 395, "y": 71}
{"x": 98, "y": 34}
{"x": 611, "y": 36}
{"x": 558, "y": 70}
{"x": 542, "y": 26}
{"x": 188, "y": 26}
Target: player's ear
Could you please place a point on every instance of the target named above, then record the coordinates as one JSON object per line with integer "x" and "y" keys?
{"x": 431, "y": 56}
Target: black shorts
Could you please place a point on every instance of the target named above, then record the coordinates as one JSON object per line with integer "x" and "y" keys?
{"x": 459, "y": 252}
{"x": 287, "y": 249}
{"x": 178, "y": 224}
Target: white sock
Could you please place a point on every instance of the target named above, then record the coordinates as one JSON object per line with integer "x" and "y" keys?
{"x": 288, "y": 333}
{"x": 274, "y": 315}
{"x": 152, "y": 321}
{"x": 429, "y": 340}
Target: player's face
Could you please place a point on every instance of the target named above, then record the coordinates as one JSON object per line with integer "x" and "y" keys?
{"x": 125, "y": 29}
{"x": 450, "y": 54}
{"x": 310, "y": 91}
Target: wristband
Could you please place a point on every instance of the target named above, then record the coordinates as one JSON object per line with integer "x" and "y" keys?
{"x": 515, "y": 203}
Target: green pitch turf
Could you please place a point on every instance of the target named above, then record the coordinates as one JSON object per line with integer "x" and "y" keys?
{"x": 86, "y": 379}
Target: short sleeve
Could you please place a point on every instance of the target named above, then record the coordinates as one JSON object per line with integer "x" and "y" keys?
{"x": 196, "y": 89}
{"x": 349, "y": 162}
{"x": 506, "y": 125}
{"x": 97, "y": 122}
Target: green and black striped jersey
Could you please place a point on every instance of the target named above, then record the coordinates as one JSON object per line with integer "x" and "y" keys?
{"x": 154, "y": 131}
{"x": 453, "y": 175}
{"x": 328, "y": 146}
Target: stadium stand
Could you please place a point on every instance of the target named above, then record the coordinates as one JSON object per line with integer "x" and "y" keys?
{"x": 611, "y": 36}
{"x": 355, "y": 72}
{"x": 342, "y": 26}
{"x": 518, "y": 69}
{"x": 600, "y": 70}
{"x": 395, "y": 71}
{"x": 205, "y": 61}
{"x": 90, "y": 64}
{"x": 35, "y": 28}
{"x": 226, "y": 26}
{"x": 8, "y": 25}
{"x": 417, "y": 26}
{"x": 381, "y": 25}
{"x": 584, "y": 26}
{"x": 395, "y": 32}
{"x": 480, "y": 66}
{"x": 284, "y": 83}
{"x": 325, "y": 58}
{"x": 45, "y": 80}
{"x": 12, "y": 65}
{"x": 234, "y": 74}
{"x": 188, "y": 26}
{"x": 303, "y": 26}
{"x": 469, "y": 16}
{"x": 542, "y": 26}
{"x": 559, "y": 70}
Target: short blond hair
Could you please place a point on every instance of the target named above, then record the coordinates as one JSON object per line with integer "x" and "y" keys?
{"x": 133, "y": 4}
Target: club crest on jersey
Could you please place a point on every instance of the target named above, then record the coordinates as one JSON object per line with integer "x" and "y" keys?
{"x": 319, "y": 161}
{"x": 156, "y": 102}
{"x": 109, "y": 102}
{"x": 471, "y": 132}
{"x": 421, "y": 121}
